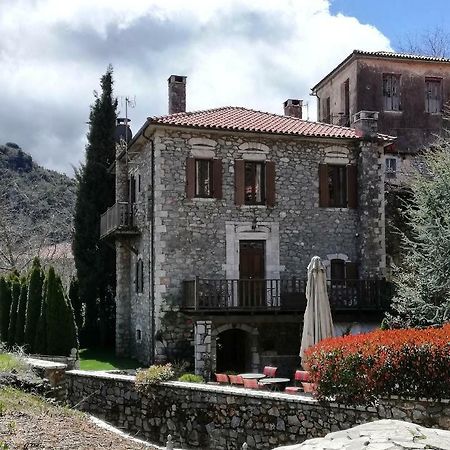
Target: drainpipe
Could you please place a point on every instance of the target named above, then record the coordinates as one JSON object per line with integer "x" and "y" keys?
{"x": 152, "y": 246}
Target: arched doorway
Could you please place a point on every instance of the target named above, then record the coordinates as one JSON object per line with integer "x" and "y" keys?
{"x": 233, "y": 351}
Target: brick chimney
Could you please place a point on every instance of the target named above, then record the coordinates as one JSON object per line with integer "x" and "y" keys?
{"x": 177, "y": 94}
{"x": 293, "y": 107}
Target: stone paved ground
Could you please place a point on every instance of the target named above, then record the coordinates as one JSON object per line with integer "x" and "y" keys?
{"x": 379, "y": 435}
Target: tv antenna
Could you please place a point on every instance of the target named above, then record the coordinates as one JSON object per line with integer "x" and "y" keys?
{"x": 127, "y": 102}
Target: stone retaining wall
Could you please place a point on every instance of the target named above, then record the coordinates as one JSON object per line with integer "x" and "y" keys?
{"x": 216, "y": 417}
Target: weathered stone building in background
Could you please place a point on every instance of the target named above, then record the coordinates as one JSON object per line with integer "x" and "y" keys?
{"x": 410, "y": 93}
{"x": 218, "y": 214}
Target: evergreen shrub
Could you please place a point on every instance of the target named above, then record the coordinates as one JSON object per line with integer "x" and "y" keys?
{"x": 359, "y": 369}
{"x": 191, "y": 378}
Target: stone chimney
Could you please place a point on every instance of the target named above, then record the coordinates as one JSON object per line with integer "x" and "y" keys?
{"x": 293, "y": 107}
{"x": 177, "y": 94}
{"x": 366, "y": 124}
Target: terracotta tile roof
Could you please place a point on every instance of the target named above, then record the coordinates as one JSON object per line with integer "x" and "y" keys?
{"x": 232, "y": 118}
{"x": 384, "y": 54}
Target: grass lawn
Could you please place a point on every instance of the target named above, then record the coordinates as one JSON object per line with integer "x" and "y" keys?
{"x": 105, "y": 359}
{"x": 9, "y": 362}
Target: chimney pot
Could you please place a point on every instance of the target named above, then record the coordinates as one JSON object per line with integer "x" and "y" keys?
{"x": 293, "y": 107}
{"x": 177, "y": 94}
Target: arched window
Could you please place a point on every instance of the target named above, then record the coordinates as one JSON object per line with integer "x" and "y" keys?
{"x": 139, "y": 279}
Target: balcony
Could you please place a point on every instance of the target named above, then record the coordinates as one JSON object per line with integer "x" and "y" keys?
{"x": 118, "y": 220}
{"x": 266, "y": 296}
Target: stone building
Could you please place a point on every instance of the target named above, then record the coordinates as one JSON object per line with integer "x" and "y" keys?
{"x": 218, "y": 214}
{"x": 409, "y": 93}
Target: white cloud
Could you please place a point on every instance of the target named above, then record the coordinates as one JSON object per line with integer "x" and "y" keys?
{"x": 255, "y": 53}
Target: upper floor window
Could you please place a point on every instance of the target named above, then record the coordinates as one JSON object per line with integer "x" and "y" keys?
{"x": 326, "y": 110}
{"x": 337, "y": 186}
{"x": 139, "y": 278}
{"x": 254, "y": 182}
{"x": 433, "y": 95}
{"x": 203, "y": 178}
{"x": 391, "y": 167}
{"x": 343, "y": 271}
{"x": 391, "y": 92}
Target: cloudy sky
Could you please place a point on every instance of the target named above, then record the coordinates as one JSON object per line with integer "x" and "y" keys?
{"x": 253, "y": 53}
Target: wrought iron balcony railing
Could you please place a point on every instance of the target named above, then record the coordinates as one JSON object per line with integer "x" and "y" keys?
{"x": 209, "y": 295}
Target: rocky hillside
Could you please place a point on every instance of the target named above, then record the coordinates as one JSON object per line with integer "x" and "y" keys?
{"x": 36, "y": 204}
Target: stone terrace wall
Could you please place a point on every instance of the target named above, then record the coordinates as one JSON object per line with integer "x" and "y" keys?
{"x": 215, "y": 417}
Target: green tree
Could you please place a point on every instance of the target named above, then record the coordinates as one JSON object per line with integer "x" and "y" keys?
{"x": 423, "y": 279}
{"x": 61, "y": 334}
{"x": 34, "y": 304}
{"x": 94, "y": 260}
{"x": 5, "y": 307}
{"x": 15, "y": 295}
{"x": 40, "y": 338}
{"x": 74, "y": 297}
{"x": 21, "y": 311}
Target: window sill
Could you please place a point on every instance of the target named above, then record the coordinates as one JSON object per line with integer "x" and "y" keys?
{"x": 337, "y": 208}
{"x": 392, "y": 111}
{"x": 202, "y": 199}
{"x": 253, "y": 206}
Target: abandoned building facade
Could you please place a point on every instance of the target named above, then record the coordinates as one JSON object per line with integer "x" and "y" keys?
{"x": 409, "y": 92}
{"x": 217, "y": 216}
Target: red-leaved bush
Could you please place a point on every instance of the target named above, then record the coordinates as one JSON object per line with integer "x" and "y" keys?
{"x": 358, "y": 369}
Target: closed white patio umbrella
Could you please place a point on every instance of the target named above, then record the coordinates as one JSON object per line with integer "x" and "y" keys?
{"x": 317, "y": 322}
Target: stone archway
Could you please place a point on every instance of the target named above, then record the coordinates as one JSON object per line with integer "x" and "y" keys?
{"x": 250, "y": 345}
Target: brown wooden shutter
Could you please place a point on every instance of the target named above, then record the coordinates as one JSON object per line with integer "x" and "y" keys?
{"x": 217, "y": 178}
{"x": 270, "y": 183}
{"x": 324, "y": 195}
{"x": 352, "y": 186}
{"x": 190, "y": 177}
{"x": 351, "y": 270}
{"x": 239, "y": 181}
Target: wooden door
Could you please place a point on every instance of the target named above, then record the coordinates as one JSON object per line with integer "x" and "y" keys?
{"x": 252, "y": 271}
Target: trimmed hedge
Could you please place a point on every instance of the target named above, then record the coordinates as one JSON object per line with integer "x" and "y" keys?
{"x": 359, "y": 369}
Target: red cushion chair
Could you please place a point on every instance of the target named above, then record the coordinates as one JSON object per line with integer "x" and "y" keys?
{"x": 301, "y": 376}
{"x": 270, "y": 371}
{"x": 252, "y": 384}
{"x": 222, "y": 378}
{"x": 236, "y": 380}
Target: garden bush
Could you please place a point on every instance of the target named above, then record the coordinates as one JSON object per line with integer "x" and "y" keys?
{"x": 153, "y": 375}
{"x": 358, "y": 369}
{"x": 191, "y": 378}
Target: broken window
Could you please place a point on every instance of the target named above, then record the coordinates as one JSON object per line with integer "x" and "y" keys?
{"x": 391, "y": 92}
{"x": 433, "y": 95}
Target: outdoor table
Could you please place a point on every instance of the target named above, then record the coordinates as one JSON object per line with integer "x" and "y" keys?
{"x": 254, "y": 376}
{"x": 274, "y": 383}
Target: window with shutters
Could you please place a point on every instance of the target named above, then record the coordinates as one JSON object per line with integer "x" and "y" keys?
{"x": 139, "y": 278}
{"x": 337, "y": 186}
{"x": 391, "y": 92}
{"x": 433, "y": 95}
{"x": 203, "y": 178}
{"x": 254, "y": 183}
{"x": 343, "y": 271}
{"x": 326, "y": 110}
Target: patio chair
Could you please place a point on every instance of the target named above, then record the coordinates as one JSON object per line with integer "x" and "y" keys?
{"x": 301, "y": 376}
{"x": 236, "y": 380}
{"x": 252, "y": 384}
{"x": 222, "y": 378}
{"x": 270, "y": 371}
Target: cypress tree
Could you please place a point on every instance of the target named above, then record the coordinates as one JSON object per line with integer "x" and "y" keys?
{"x": 5, "y": 307}
{"x": 40, "y": 338}
{"x": 34, "y": 304}
{"x": 15, "y": 294}
{"x": 21, "y": 311}
{"x": 94, "y": 260}
{"x": 75, "y": 302}
{"x": 61, "y": 328}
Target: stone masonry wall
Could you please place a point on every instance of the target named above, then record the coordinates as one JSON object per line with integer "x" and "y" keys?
{"x": 192, "y": 236}
{"x": 215, "y": 417}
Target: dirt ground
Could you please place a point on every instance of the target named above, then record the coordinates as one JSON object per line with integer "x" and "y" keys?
{"x": 29, "y": 423}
